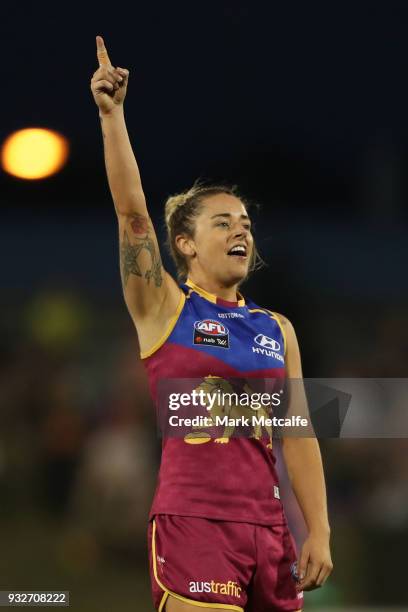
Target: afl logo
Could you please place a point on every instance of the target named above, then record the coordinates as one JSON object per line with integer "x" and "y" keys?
{"x": 267, "y": 342}
{"x": 211, "y": 332}
{"x": 214, "y": 328}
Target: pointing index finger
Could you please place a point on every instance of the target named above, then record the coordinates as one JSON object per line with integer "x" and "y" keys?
{"x": 101, "y": 52}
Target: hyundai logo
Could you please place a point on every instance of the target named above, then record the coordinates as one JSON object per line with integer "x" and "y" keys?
{"x": 267, "y": 342}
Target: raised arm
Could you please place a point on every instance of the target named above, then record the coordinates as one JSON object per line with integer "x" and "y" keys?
{"x": 150, "y": 293}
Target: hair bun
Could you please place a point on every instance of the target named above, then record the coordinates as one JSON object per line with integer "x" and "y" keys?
{"x": 172, "y": 204}
{"x": 176, "y": 201}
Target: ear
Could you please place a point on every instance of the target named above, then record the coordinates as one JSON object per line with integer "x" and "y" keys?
{"x": 185, "y": 245}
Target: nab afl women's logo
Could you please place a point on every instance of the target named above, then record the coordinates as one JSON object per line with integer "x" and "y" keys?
{"x": 211, "y": 333}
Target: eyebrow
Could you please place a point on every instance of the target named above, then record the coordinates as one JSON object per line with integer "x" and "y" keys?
{"x": 228, "y": 215}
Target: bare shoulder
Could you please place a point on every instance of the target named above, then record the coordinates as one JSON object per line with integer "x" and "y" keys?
{"x": 293, "y": 359}
{"x": 285, "y": 322}
{"x": 290, "y": 338}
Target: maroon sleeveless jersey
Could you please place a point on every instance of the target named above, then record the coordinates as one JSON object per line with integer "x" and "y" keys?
{"x": 230, "y": 479}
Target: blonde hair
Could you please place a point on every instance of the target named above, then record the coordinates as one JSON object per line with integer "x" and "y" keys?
{"x": 181, "y": 212}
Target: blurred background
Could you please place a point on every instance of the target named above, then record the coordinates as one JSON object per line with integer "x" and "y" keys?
{"x": 304, "y": 106}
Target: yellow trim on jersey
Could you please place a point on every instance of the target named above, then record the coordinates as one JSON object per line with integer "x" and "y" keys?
{"x": 210, "y": 296}
{"x": 169, "y": 329}
{"x": 258, "y": 310}
{"x": 163, "y": 601}
{"x": 167, "y": 591}
{"x": 275, "y": 317}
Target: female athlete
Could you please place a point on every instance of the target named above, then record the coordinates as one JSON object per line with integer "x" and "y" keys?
{"x": 218, "y": 536}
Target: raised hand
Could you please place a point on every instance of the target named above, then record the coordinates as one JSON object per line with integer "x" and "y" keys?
{"x": 108, "y": 84}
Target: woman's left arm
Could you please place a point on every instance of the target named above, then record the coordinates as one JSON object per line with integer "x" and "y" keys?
{"x": 304, "y": 464}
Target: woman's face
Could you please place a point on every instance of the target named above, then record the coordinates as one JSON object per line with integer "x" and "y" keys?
{"x": 223, "y": 241}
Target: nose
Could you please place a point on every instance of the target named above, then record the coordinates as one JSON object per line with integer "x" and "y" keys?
{"x": 240, "y": 230}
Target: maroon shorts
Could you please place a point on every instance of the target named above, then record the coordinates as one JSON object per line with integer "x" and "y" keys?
{"x": 212, "y": 563}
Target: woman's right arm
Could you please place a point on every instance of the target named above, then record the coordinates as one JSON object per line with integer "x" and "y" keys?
{"x": 150, "y": 292}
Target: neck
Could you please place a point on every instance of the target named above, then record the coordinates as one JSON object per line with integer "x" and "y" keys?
{"x": 217, "y": 288}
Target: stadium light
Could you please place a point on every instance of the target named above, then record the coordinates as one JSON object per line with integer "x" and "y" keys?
{"x": 34, "y": 153}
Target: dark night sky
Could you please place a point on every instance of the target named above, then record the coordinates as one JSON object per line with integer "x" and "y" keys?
{"x": 292, "y": 100}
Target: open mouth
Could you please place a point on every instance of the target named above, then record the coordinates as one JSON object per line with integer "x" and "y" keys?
{"x": 238, "y": 251}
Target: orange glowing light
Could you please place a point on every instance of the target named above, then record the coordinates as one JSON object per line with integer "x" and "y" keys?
{"x": 34, "y": 153}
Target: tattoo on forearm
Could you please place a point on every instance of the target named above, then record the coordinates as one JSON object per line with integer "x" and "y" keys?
{"x": 130, "y": 253}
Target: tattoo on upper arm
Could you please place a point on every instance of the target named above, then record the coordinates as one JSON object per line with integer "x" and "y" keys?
{"x": 130, "y": 253}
